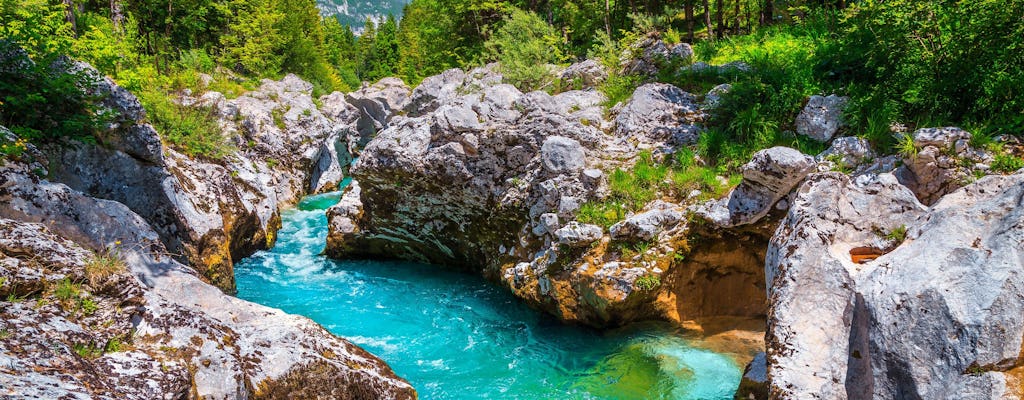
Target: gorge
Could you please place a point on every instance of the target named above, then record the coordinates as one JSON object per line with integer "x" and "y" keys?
{"x": 733, "y": 217}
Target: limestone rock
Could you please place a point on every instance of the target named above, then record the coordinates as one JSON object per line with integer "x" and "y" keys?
{"x": 377, "y": 104}
{"x": 589, "y": 73}
{"x": 646, "y": 225}
{"x": 822, "y": 117}
{"x": 714, "y": 96}
{"x": 659, "y": 113}
{"x": 848, "y": 152}
{"x": 769, "y": 176}
{"x": 650, "y": 54}
{"x": 575, "y": 234}
{"x": 937, "y": 315}
{"x": 561, "y": 154}
{"x": 944, "y": 162}
{"x": 188, "y": 338}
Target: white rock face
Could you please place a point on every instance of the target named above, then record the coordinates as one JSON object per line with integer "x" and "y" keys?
{"x": 576, "y": 234}
{"x": 822, "y": 117}
{"x": 659, "y": 113}
{"x": 650, "y": 54}
{"x": 562, "y": 154}
{"x": 936, "y": 316}
{"x": 767, "y": 178}
{"x": 589, "y": 73}
{"x": 186, "y": 335}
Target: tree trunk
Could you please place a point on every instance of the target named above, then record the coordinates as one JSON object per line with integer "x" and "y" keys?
{"x": 707, "y": 19}
{"x": 116, "y": 14}
{"x": 719, "y": 5}
{"x": 69, "y": 15}
{"x": 768, "y": 12}
{"x": 608, "y": 18}
{"x": 736, "y": 17}
{"x": 689, "y": 20}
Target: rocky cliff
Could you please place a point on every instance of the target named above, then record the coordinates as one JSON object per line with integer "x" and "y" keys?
{"x": 96, "y": 307}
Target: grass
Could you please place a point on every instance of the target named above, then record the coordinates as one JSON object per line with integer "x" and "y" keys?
{"x": 648, "y": 180}
{"x": 897, "y": 234}
{"x": 647, "y": 282}
{"x": 1006, "y": 163}
{"x": 103, "y": 265}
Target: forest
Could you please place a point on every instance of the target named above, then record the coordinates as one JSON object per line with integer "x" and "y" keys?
{"x": 901, "y": 61}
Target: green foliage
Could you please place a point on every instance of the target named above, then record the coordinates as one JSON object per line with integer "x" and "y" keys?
{"x": 66, "y": 290}
{"x": 897, "y": 234}
{"x": 905, "y": 146}
{"x": 87, "y": 351}
{"x": 647, "y": 282}
{"x": 618, "y": 88}
{"x": 525, "y": 45}
{"x": 603, "y": 214}
{"x": 949, "y": 62}
{"x": 1006, "y": 163}
{"x": 103, "y": 265}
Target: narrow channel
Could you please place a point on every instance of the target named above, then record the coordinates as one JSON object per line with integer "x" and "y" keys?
{"x": 455, "y": 336}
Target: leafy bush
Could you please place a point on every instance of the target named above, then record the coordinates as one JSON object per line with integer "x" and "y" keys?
{"x": 524, "y": 46}
{"x": 647, "y": 282}
{"x": 1006, "y": 163}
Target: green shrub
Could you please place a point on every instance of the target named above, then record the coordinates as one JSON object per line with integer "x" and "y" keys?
{"x": 647, "y": 283}
{"x": 1006, "y": 163}
{"x": 524, "y": 46}
{"x": 603, "y": 213}
{"x": 897, "y": 234}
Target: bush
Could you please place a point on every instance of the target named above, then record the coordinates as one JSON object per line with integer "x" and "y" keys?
{"x": 524, "y": 46}
{"x": 1006, "y": 163}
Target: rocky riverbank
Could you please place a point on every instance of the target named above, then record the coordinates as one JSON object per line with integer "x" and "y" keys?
{"x": 474, "y": 173}
{"x": 109, "y": 253}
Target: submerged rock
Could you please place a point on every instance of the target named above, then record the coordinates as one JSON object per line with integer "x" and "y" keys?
{"x": 933, "y": 307}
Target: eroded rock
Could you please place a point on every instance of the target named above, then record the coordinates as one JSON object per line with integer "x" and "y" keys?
{"x": 822, "y": 117}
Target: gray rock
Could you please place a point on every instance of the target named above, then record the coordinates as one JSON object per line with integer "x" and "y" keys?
{"x": 853, "y": 152}
{"x": 648, "y": 224}
{"x": 714, "y": 96}
{"x": 561, "y": 155}
{"x": 754, "y": 385}
{"x": 575, "y": 234}
{"x": 377, "y": 104}
{"x": 589, "y": 73}
{"x": 942, "y": 138}
{"x": 647, "y": 56}
{"x": 233, "y": 345}
{"x": 434, "y": 91}
{"x": 822, "y": 117}
{"x": 944, "y": 162}
{"x": 659, "y": 113}
{"x": 936, "y": 316}
{"x": 769, "y": 176}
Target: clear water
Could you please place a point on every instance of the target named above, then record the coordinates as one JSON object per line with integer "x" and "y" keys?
{"x": 454, "y": 336}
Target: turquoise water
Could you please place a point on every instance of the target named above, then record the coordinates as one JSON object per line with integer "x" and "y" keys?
{"x": 454, "y": 336}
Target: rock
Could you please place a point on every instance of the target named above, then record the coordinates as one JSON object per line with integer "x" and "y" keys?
{"x": 377, "y": 104}
{"x": 942, "y": 138}
{"x": 659, "y": 113}
{"x": 714, "y": 96}
{"x": 575, "y": 234}
{"x": 186, "y": 337}
{"x": 822, "y": 117}
{"x": 936, "y": 314}
{"x": 588, "y": 74}
{"x": 769, "y": 176}
{"x": 754, "y": 385}
{"x": 434, "y": 90}
{"x": 649, "y": 55}
{"x": 849, "y": 151}
{"x": 646, "y": 225}
{"x": 561, "y": 155}
{"x": 944, "y": 162}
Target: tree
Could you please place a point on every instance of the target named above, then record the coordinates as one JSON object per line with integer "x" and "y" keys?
{"x": 525, "y": 46}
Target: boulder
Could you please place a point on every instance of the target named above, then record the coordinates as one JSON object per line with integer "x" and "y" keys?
{"x": 769, "y": 176}
{"x": 649, "y": 55}
{"x": 575, "y": 234}
{"x": 646, "y": 225}
{"x": 377, "y": 104}
{"x": 822, "y": 117}
{"x": 714, "y": 96}
{"x": 561, "y": 155}
{"x": 944, "y": 162}
{"x": 848, "y": 152}
{"x": 934, "y": 312}
{"x": 588, "y": 74}
{"x": 659, "y": 113}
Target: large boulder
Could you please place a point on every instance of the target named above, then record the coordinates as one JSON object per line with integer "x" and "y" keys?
{"x": 769, "y": 176}
{"x": 648, "y": 56}
{"x": 587, "y": 74}
{"x": 659, "y": 113}
{"x": 874, "y": 295}
{"x": 648, "y": 224}
{"x": 822, "y": 117}
{"x": 157, "y": 329}
{"x": 377, "y": 104}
